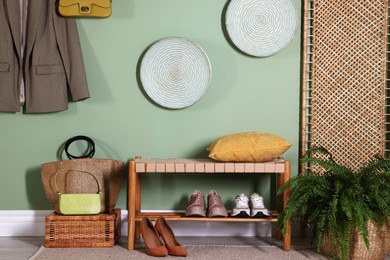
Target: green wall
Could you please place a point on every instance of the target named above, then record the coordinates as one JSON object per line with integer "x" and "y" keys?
{"x": 246, "y": 94}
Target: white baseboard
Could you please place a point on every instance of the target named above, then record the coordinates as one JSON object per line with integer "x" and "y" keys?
{"x": 32, "y": 223}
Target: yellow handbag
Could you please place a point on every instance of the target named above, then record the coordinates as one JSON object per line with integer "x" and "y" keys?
{"x": 85, "y": 8}
{"x": 79, "y": 203}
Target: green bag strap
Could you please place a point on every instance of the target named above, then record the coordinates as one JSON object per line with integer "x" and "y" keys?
{"x": 75, "y": 170}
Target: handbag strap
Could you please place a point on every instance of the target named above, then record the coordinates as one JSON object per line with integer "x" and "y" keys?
{"x": 90, "y": 151}
{"x": 76, "y": 170}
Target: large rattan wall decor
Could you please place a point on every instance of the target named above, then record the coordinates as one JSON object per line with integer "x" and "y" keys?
{"x": 344, "y": 79}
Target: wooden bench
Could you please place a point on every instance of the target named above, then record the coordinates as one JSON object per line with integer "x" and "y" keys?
{"x": 138, "y": 166}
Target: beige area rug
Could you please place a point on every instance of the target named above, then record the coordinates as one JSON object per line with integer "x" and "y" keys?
{"x": 258, "y": 249}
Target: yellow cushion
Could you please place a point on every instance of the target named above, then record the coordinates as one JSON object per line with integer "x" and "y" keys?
{"x": 248, "y": 147}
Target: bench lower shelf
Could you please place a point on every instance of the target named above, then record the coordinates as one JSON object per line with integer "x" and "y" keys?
{"x": 169, "y": 216}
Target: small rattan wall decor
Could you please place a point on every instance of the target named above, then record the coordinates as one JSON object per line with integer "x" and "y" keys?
{"x": 344, "y": 80}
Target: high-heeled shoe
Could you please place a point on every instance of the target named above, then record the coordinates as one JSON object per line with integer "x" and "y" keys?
{"x": 165, "y": 231}
{"x": 154, "y": 246}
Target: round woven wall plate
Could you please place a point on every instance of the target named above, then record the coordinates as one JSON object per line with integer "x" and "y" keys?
{"x": 261, "y": 28}
{"x": 175, "y": 72}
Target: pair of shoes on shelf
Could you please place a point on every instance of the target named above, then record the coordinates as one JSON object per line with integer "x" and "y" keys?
{"x": 215, "y": 207}
{"x": 256, "y": 210}
{"x": 154, "y": 246}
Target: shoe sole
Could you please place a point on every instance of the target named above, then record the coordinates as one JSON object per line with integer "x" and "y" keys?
{"x": 260, "y": 213}
{"x": 195, "y": 213}
{"x": 240, "y": 211}
{"x": 241, "y": 214}
{"x": 217, "y": 213}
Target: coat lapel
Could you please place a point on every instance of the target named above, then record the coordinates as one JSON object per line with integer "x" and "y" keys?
{"x": 34, "y": 13}
{"x": 13, "y": 11}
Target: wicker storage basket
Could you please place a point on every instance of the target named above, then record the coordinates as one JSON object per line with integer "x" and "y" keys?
{"x": 379, "y": 237}
{"x": 101, "y": 230}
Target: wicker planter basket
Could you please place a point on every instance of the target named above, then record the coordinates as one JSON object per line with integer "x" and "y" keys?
{"x": 379, "y": 238}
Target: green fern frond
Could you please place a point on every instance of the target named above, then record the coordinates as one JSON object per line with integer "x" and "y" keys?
{"x": 337, "y": 200}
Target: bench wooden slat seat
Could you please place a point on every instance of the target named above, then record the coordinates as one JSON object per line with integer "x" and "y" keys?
{"x": 207, "y": 166}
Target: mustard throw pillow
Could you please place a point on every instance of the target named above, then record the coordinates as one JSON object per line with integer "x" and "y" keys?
{"x": 248, "y": 147}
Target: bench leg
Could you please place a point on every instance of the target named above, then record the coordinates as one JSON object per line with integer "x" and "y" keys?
{"x": 131, "y": 205}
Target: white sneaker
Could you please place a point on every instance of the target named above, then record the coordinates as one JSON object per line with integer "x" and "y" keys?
{"x": 241, "y": 207}
{"x": 257, "y": 207}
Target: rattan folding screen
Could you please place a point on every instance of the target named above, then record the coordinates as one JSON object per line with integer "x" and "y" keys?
{"x": 344, "y": 78}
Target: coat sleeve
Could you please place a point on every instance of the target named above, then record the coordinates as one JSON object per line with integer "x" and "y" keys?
{"x": 71, "y": 54}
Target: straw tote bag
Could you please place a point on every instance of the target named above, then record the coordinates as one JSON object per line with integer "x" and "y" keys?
{"x": 108, "y": 173}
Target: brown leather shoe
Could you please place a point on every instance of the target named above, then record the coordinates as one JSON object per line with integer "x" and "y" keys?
{"x": 154, "y": 246}
{"x": 195, "y": 206}
{"x": 165, "y": 231}
{"x": 215, "y": 207}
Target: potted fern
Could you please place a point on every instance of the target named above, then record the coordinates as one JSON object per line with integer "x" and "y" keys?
{"x": 342, "y": 205}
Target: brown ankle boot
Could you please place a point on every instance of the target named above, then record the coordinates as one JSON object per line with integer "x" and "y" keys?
{"x": 165, "y": 231}
{"x": 154, "y": 246}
